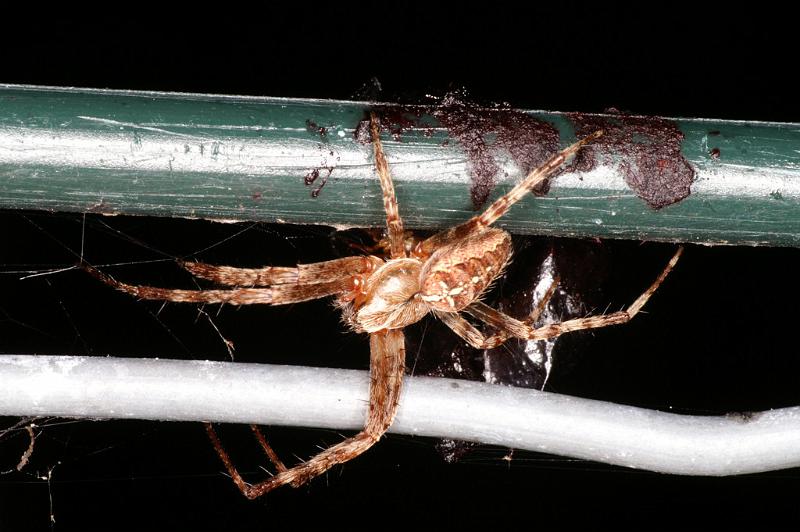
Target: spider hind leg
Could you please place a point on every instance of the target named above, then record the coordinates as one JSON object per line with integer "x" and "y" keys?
{"x": 387, "y": 364}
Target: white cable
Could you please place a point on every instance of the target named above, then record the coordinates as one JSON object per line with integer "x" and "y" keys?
{"x": 91, "y": 387}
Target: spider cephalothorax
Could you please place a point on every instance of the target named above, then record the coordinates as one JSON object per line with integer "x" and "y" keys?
{"x": 401, "y": 291}
{"x": 445, "y": 275}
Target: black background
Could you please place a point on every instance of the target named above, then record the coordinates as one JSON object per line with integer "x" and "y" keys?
{"x": 717, "y": 338}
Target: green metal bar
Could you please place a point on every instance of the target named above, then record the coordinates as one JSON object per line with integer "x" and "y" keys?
{"x": 247, "y": 158}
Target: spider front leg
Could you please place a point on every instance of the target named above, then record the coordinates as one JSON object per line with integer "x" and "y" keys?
{"x": 394, "y": 223}
{"x": 314, "y": 273}
{"x": 501, "y": 205}
{"x": 510, "y": 327}
{"x": 311, "y": 281}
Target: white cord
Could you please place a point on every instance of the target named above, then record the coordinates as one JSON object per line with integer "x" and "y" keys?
{"x": 91, "y": 387}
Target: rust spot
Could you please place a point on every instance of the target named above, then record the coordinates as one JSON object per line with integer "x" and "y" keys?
{"x": 361, "y": 134}
{"x": 313, "y": 127}
{"x": 487, "y": 134}
{"x": 397, "y": 119}
{"x": 715, "y": 153}
{"x": 329, "y": 160}
{"x": 313, "y": 175}
{"x": 647, "y": 149}
{"x": 256, "y": 195}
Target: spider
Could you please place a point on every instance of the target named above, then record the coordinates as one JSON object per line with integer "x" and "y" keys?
{"x": 444, "y": 275}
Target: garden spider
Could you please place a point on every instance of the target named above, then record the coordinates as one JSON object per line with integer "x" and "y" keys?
{"x": 444, "y": 275}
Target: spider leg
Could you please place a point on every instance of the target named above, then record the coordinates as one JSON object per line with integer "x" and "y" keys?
{"x": 501, "y": 206}
{"x": 273, "y": 295}
{"x": 273, "y": 456}
{"x": 466, "y": 331}
{"x": 510, "y": 327}
{"x": 387, "y": 356}
{"x": 535, "y": 313}
{"x": 394, "y": 224}
{"x": 267, "y": 448}
{"x": 306, "y": 274}
{"x": 503, "y": 334}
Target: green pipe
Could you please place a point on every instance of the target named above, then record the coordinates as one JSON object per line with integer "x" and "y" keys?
{"x": 248, "y": 158}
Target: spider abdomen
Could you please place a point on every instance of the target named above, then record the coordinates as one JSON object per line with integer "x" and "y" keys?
{"x": 457, "y": 274}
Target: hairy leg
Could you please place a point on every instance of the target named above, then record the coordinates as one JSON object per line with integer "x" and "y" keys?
{"x": 274, "y": 295}
{"x": 387, "y": 358}
{"x": 394, "y": 224}
{"x": 315, "y": 273}
{"x": 501, "y": 206}
{"x": 504, "y": 335}
{"x": 510, "y": 327}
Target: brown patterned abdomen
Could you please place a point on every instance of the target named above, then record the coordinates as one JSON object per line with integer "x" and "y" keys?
{"x": 457, "y": 274}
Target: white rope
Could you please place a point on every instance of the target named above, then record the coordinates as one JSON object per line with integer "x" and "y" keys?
{"x": 91, "y": 387}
